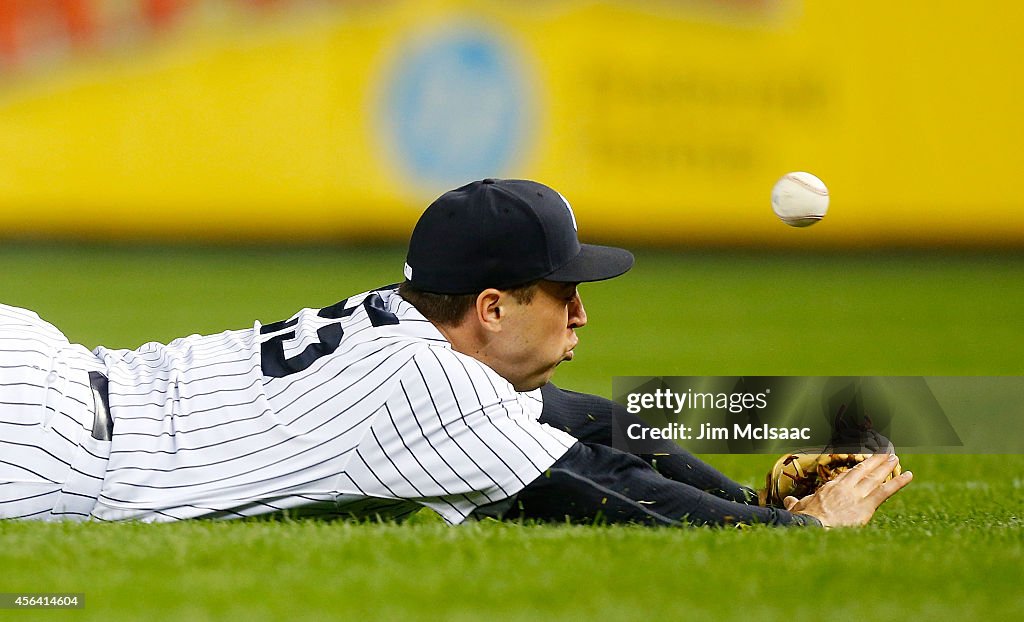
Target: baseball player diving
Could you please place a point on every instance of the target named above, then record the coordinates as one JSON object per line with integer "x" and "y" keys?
{"x": 432, "y": 393}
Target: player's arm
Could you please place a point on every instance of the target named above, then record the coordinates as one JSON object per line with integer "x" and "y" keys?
{"x": 593, "y": 482}
{"x": 590, "y": 418}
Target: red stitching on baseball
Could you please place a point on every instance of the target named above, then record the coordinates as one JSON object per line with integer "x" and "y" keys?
{"x": 817, "y": 191}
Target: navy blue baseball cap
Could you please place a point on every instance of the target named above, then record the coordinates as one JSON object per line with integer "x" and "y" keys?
{"x": 503, "y": 233}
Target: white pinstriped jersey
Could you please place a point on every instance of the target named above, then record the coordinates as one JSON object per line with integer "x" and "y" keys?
{"x": 359, "y": 408}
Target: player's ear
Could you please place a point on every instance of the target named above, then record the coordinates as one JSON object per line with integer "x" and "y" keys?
{"x": 488, "y": 309}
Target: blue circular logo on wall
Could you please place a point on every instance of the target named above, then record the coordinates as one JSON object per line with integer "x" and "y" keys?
{"x": 455, "y": 108}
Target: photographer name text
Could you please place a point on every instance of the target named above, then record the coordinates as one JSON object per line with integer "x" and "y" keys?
{"x": 706, "y": 431}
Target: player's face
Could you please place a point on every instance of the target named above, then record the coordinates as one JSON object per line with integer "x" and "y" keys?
{"x": 540, "y": 334}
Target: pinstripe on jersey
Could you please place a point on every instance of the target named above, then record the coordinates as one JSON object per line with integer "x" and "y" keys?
{"x": 50, "y": 466}
{"x": 362, "y": 407}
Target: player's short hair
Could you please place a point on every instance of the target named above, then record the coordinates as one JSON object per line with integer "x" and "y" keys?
{"x": 451, "y": 309}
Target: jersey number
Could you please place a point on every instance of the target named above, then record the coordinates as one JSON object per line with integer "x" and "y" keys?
{"x": 276, "y": 365}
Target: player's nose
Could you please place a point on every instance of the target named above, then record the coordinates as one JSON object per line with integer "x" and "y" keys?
{"x": 577, "y": 314}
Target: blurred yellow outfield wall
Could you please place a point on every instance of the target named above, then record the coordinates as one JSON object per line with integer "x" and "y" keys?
{"x": 661, "y": 121}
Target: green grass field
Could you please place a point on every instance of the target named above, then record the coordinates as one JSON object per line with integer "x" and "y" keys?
{"x": 948, "y": 547}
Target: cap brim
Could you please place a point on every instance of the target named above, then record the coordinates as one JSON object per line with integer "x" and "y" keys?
{"x": 593, "y": 263}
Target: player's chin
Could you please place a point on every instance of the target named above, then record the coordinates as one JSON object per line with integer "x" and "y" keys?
{"x": 530, "y": 385}
{"x": 537, "y": 381}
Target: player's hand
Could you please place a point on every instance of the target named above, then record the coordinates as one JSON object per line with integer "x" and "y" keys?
{"x": 850, "y": 500}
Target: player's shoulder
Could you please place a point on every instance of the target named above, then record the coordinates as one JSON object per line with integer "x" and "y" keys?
{"x": 439, "y": 365}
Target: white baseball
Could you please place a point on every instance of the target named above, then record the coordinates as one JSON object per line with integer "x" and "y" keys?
{"x": 800, "y": 199}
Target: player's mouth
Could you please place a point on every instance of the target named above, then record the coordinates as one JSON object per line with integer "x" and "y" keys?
{"x": 570, "y": 352}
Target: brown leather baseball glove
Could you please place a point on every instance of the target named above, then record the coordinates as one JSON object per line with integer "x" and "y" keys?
{"x": 801, "y": 474}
